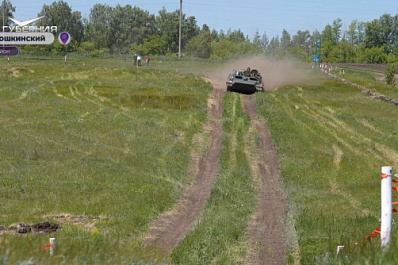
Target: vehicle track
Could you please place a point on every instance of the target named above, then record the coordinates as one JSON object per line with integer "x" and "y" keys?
{"x": 267, "y": 230}
{"x": 267, "y": 243}
{"x": 167, "y": 231}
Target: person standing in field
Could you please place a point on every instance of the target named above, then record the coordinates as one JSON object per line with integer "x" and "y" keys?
{"x": 147, "y": 61}
{"x": 139, "y": 60}
{"x": 135, "y": 59}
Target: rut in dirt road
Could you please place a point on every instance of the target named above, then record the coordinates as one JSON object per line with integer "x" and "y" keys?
{"x": 267, "y": 230}
{"x": 167, "y": 231}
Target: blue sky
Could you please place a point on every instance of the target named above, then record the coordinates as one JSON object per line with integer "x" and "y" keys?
{"x": 266, "y": 16}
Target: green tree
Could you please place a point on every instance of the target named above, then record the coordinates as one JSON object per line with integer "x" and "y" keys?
{"x": 285, "y": 43}
{"x": 86, "y": 47}
{"x": 235, "y": 36}
{"x": 302, "y": 40}
{"x": 60, "y": 14}
{"x": 200, "y": 46}
{"x": 352, "y": 34}
{"x": 261, "y": 41}
{"x": 190, "y": 29}
{"x": 328, "y": 43}
{"x": 221, "y": 35}
{"x": 214, "y": 35}
{"x": 257, "y": 39}
{"x": 98, "y": 29}
{"x": 9, "y": 9}
{"x": 373, "y": 36}
{"x": 298, "y": 53}
{"x": 264, "y": 42}
{"x": 336, "y": 30}
{"x": 153, "y": 45}
{"x": 370, "y": 55}
{"x": 59, "y": 49}
{"x": 224, "y": 49}
{"x": 390, "y": 72}
{"x": 247, "y": 48}
{"x": 273, "y": 47}
{"x": 343, "y": 52}
{"x": 386, "y": 34}
{"x": 129, "y": 25}
{"x": 327, "y": 33}
{"x": 168, "y": 26}
{"x": 361, "y": 31}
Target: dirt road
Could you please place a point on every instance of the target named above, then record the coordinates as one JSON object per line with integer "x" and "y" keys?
{"x": 267, "y": 229}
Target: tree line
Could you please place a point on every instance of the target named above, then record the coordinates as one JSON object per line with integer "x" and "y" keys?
{"x": 128, "y": 30}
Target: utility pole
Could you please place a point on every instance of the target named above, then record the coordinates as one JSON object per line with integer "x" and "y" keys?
{"x": 4, "y": 16}
{"x": 179, "y": 31}
{"x": 4, "y": 13}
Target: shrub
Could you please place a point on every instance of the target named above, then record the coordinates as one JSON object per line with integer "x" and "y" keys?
{"x": 390, "y": 73}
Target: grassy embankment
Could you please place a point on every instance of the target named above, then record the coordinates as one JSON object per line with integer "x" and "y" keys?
{"x": 368, "y": 80}
{"x": 332, "y": 141}
{"x": 103, "y": 140}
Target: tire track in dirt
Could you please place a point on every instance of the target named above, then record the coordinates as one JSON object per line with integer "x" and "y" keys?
{"x": 171, "y": 227}
{"x": 267, "y": 230}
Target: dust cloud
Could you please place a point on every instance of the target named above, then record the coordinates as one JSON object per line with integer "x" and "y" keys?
{"x": 275, "y": 73}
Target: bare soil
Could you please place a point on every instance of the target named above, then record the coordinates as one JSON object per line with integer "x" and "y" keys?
{"x": 267, "y": 230}
{"x": 83, "y": 221}
{"x": 37, "y": 228}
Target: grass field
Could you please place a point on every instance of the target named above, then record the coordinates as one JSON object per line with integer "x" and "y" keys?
{"x": 110, "y": 145}
{"x": 331, "y": 142}
{"x": 101, "y": 141}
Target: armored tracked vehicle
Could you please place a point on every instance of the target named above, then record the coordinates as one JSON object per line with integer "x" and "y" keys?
{"x": 245, "y": 81}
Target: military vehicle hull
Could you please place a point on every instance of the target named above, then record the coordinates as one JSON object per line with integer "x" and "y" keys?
{"x": 245, "y": 82}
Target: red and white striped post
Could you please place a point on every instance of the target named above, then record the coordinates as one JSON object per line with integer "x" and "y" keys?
{"x": 386, "y": 205}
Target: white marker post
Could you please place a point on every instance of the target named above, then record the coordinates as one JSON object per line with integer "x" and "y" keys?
{"x": 386, "y": 205}
{"x": 339, "y": 248}
{"x": 52, "y": 246}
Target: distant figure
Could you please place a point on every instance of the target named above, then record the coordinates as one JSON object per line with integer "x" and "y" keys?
{"x": 135, "y": 59}
{"x": 139, "y": 60}
{"x": 247, "y": 72}
{"x": 147, "y": 61}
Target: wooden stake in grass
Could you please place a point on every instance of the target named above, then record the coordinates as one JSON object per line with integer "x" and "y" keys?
{"x": 386, "y": 205}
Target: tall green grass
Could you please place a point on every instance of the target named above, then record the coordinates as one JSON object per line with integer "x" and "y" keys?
{"x": 331, "y": 143}
{"x": 95, "y": 140}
